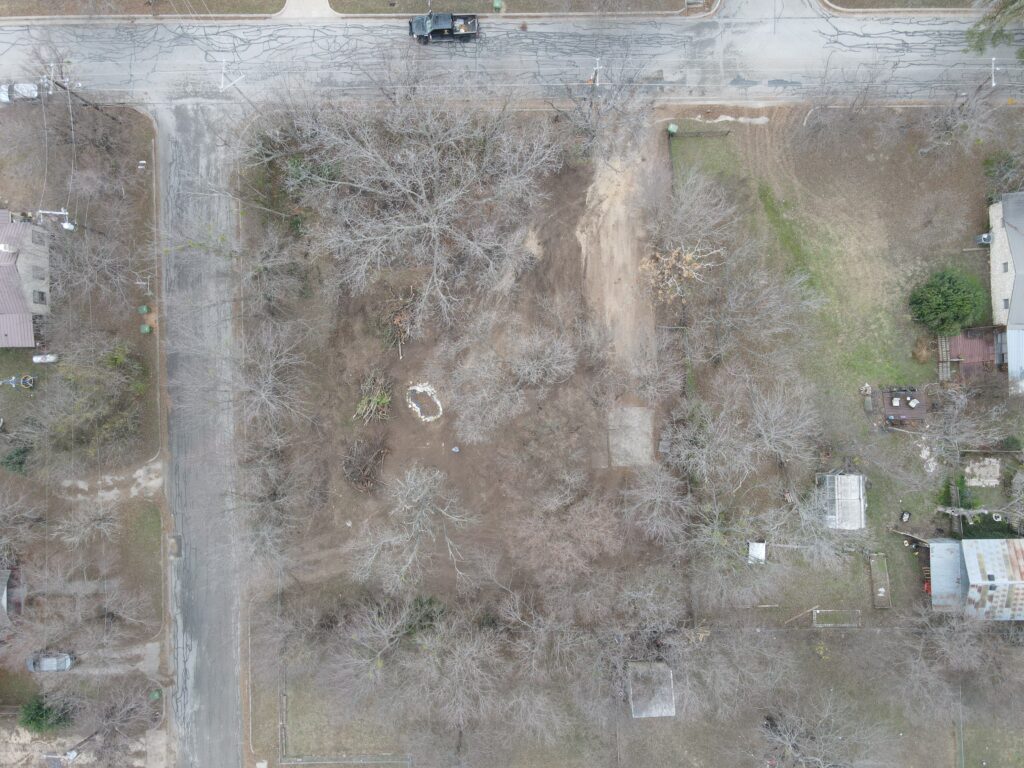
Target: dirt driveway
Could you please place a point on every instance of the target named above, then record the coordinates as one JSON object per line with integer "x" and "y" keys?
{"x": 612, "y": 245}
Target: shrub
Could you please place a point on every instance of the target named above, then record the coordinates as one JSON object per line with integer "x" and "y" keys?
{"x": 14, "y": 461}
{"x": 948, "y": 301}
{"x": 39, "y": 717}
{"x": 1003, "y": 173}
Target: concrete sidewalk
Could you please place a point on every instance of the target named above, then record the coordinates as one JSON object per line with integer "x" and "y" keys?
{"x": 306, "y": 9}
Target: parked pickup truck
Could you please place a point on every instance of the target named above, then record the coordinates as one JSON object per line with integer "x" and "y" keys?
{"x": 444, "y": 26}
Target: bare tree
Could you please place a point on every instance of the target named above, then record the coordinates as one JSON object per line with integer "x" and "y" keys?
{"x": 659, "y": 370}
{"x": 744, "y": 309}
{"x": 20, "y": 523}
{"x": 424, "y": 515}
{"x": 89, "y": 521}
{"x": 969, "y": 120}
{"x": 657, "y": 503}
{"x": 783, "y": 424}
{"x": 559, "y": 546}
{"x": 711, "y": 448}
{"x": 454, "y": 677}
{"x": 91, "y": 408}
{"x": 823, "y": 732}
{"x": 268, "y": 375}
{"x": 606, "y": 108}
{"x": 689, "y": 233}
{"x": 360, "y": 650}
{"x": 963, "y": 423}
{"x": 539, "y": 358}
{"x": 413, "y": 182}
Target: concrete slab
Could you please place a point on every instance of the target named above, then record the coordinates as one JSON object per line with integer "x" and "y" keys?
{"x": 983, "y": 473}
{"x": 631, "y": 436}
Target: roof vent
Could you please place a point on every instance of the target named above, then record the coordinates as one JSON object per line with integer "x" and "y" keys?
{"x": 991, "y": 577}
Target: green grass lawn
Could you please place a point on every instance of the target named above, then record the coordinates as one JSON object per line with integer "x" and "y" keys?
{"x": 16, "y": 402}
{"x": 16, "y": 687}
{"x": 139, "y": 550}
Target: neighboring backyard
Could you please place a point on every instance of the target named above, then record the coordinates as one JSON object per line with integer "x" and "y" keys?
{"x": 81, "y": 484}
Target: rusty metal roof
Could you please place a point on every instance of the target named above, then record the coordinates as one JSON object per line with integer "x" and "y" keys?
{"x": 984, "y": 577}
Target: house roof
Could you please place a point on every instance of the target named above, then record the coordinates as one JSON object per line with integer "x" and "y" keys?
{"x": 982, "y": 577}
{"x": 1013, "y": 227}
{"x": 845, "y": 501}
{"x": 5, "y": 578}
{"x": 1000, "y": 559}
{"x": 651, "y": 693}
{"x": 15, "y": 315}
{"x": 948, "y": 576}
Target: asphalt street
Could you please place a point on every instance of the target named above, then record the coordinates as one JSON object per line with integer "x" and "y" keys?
{"x": 200, "y": 79}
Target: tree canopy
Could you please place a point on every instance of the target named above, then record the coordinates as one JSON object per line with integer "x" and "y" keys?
{"x": 992, "y": 28}
{"x": 948, "y": 301}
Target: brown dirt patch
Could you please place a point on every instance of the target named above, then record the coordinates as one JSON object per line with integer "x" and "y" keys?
{"x": 611, "y": 241}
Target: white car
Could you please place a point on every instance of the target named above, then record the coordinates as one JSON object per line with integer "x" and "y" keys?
{"x": 18, "y": 92}
{"x": 50, "y": 661}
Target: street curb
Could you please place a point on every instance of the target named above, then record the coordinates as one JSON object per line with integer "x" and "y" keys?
{"x": 839, "y": 10}
{"x": 336, "y": 16}
{"x": 543, "y": 15}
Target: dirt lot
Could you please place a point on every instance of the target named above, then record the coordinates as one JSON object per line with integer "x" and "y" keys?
{"x": 145, "y": 7}
{"x": 845, "y": 201}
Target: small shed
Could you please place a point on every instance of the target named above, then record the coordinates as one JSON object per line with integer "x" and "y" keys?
{"x": 845, "y": 500}
{"x": 757, "y": 552}
{"x": 5, "y": 580}
{"x": 651, "y": 693}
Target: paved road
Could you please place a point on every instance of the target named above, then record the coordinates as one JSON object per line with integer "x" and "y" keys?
{"x": 199, "y": 79}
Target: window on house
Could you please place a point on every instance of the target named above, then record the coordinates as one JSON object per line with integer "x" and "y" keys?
{"x": 1006, "y": 266}
{"x": 1006, "y": 303}
{"x": 39, "y": 238}
{"x": 38, "y": 273}
{"x": 38, "y": 297}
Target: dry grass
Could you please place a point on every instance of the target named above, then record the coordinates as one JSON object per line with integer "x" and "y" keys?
{"x": 510, "y": 6}
{"x": 144, "y": 7}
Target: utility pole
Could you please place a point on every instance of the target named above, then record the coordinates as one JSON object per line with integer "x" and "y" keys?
{"x": 994, "y": 70}
{"x": 597, "y": 72}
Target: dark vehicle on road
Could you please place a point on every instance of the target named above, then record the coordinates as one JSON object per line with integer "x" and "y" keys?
{"x": 444, "y": 26}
